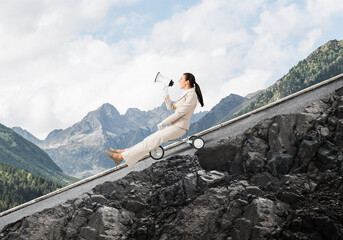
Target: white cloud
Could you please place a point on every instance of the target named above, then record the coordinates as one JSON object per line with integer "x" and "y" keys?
{"x": 55, "y": 68}
{"x": 248, "y": 82}
{"x": 29, "y": 28}
{"x": 308, "y": 43}
{"x": 322, "y": 11}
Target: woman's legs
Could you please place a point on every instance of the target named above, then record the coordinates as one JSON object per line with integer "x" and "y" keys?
{"x": 134, "y": 154}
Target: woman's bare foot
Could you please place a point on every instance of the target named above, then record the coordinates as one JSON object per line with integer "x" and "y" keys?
{"x": 116, "y": 157}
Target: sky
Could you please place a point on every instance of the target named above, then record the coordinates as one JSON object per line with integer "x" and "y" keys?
{"x": 60, "y": 59}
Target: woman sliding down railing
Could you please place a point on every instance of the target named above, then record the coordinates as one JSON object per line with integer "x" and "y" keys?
{"x": 180, "y": 121}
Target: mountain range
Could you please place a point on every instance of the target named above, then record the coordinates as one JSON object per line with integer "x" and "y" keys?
{"x": 79, "y": 149}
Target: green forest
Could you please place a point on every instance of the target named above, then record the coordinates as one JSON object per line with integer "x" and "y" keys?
{"x": 18, "y": 186}
{"x": 322, "y": 64}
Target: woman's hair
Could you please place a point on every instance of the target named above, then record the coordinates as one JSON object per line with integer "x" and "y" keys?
{"x": 190, "y": 77}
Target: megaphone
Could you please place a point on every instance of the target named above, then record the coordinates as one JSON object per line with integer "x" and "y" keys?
{"x": 165, "y": 81}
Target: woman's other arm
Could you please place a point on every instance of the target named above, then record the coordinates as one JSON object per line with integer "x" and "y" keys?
{"x": 170, "y": 105}
{"x": 191, "y": 101}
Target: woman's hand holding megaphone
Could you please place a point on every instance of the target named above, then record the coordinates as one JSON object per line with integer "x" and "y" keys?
{"x": 165, "y": 91}
{"x": 159, "y": 126}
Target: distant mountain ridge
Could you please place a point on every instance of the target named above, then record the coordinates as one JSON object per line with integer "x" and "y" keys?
{"x": 225, "y": 106}
{"x": 27, "y": 135}
{"x": 79, "y": 149}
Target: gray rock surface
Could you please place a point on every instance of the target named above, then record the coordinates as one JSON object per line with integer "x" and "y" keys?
{"x": 281, "y": 179}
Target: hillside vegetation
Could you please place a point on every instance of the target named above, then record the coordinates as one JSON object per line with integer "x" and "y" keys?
{"x": 19, "y": 186}
{"x": 324, "y": 63}
{"x": 22, "y": 154}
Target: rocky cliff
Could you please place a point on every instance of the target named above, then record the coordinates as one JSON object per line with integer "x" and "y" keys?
{"x": 281, "y": 179}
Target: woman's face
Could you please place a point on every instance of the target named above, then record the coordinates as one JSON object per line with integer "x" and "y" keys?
{"x": 184, "y": 84}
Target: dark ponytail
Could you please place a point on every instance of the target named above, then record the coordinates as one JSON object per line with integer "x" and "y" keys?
{"x": 190, "y": 77}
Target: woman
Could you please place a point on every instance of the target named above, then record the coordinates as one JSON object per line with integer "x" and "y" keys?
{"x": 179, "y": 121}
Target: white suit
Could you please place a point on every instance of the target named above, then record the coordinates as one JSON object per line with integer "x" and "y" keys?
{"x": 184, "y": 108}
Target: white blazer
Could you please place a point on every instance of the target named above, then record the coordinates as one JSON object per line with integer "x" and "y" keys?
{"x": 184, "y": 108}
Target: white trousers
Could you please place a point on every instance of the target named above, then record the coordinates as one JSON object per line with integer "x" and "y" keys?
{"x": 138, "y": 151}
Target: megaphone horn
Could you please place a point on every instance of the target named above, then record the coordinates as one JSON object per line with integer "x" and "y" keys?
{"x": 161, "y": 79}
